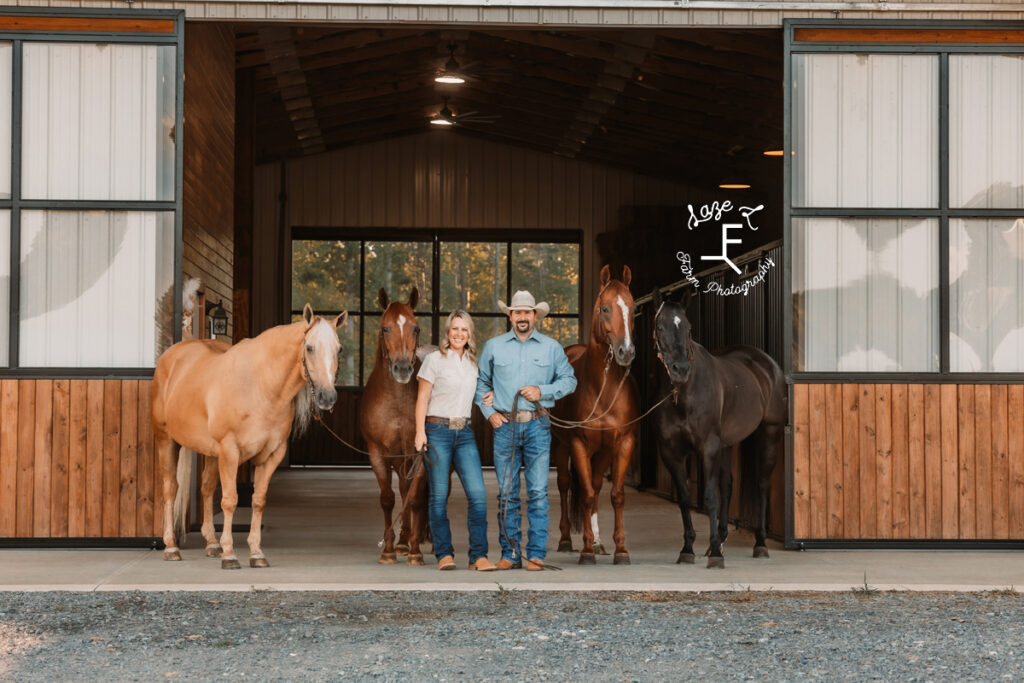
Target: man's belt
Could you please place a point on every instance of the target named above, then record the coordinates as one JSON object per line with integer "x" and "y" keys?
{"x": 450, "y": 422}
{"x": 523, "y": 415}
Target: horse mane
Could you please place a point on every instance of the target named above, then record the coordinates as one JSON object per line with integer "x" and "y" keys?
{"x": 305, "y": 410}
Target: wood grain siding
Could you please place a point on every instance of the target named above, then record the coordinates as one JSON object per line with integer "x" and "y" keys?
{"x": 908, "y": 462}
{"x": 77, "y": 459}
{"x": 441, "y": 180}
{"x": 209, "y": 173}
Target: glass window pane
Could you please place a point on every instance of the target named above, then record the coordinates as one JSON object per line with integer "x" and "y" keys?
{"x": 485, "y": 328}
{"x": 348, "y": 357}
{"x": 986, "y": 131}
{"x": 5, "y": 120}
{"x": 95, "y": 288}
{"x": 473, "y": 275}
{"x": 98, "y": 122}
{"x": 5, "y": 285}
{"x": 865, "y": 130}
{"x": 551, "y": 272}
{"x": 397, "y": 266}
{"x": 986, "y": 295}
{"x": 865, "y": 295}
{"x": 325, "y": 273}
{"x": 564, "y": 330}
{"x": 371, "y": 326}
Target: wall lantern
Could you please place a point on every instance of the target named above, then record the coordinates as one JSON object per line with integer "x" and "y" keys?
{"x": 218, "y": 318}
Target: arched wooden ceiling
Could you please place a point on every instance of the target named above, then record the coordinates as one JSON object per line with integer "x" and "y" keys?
{"x": 687, "y": 104}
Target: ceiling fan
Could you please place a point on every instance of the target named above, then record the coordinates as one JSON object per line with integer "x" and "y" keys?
{"x": 446, "y": 117}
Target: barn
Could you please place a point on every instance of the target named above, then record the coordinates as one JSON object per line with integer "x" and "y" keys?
{"x": 866, "y": 158}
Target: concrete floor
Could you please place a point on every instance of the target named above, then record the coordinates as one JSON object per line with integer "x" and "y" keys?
{"x": 321, "y": 529}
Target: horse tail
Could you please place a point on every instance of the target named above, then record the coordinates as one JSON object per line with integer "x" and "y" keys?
{"x": 186, "y": 463}
{"x": 576, "y": 502}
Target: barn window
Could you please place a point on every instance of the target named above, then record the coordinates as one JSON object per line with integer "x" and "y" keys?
{"x": 449, "y": 270}
{"x": 906, "y": 195}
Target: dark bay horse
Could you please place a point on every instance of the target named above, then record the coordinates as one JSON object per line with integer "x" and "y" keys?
{"x": 734, "y": 395}
{"x": 606, "y": 403}
{"x": 239, "y": 404}
{"x": 387, "y": 421}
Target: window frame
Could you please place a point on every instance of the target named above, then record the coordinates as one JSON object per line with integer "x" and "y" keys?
{"x": 435, "y": 236}
{"x": 16, "y": 204}
{"x": 942, "y": 213}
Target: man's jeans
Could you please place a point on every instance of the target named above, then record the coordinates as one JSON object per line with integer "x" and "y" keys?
{"x": 532, "y": 455}
{"x": 458, "y": 447}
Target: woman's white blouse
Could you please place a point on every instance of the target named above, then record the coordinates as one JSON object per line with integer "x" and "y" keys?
{"x": 454, "y": 380}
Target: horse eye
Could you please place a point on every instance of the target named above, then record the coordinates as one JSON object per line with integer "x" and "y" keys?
{"x": 309, "y": 349}
{"x": 605, "y": 309}
{"x": 386, "y": 330}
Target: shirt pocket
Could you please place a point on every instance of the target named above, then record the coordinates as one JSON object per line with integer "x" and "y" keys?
{"x": 504, "y": 369}
{"x": 540, "y": 370}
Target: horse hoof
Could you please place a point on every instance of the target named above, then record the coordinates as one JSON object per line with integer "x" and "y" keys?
{"x": 229, "y": 563}
{"x": 402, "y": 548}
{"x": 172, "y": 555}
{"x": 214, "y": 551}
{"x": 414, "y": 560}
{"x": 565, "y": 547}
{"x": 716, "y": 562}
{"x": 258, "y": 562}
{"x": 621, "y": 558}
{"x": 599, "y": 549}
{"x": 761, "y": 551}
{"x": 587, "y": 558}
{"x": 388, "y": 558}
{"x": 686, "y": 558}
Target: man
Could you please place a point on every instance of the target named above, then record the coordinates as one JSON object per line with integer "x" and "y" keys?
{"x": 526, "y": 363}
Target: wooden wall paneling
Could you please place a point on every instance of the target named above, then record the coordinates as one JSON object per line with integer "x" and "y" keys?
{"x": 983, "y": 491}
{"x": 77, "y": 458}
{"x": 94, "y": 458}
{"x": 26, "y": 458}
{"x": 147, "y": 465}
{"x": 950, "y": 464}
{"x": 907, "y": 500}
{"x": 933, "y": 460}
{"x": 1000, "y": 464}
{"x": 893, "y": 485}
{"x": 875, "y": 479}
{"x": 61, "y": 456}
{"x": 8, "y": 456}
{"x": 818, "y": 467}
{"x": 801, "y": 462}
{"x": 111, "y": 458}
{"x": 851, "y": 461}
{"x": 834, "y": 459}
{"x": 966, "y": 460}
{"x": 1015, "y": 453}
{"x": 128, "y": 511}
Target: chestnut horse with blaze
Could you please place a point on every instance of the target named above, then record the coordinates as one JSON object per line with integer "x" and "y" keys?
{"x": 607, "y": 405}
{"x": 239, "y": 404}
{"x": 387, "y": 422}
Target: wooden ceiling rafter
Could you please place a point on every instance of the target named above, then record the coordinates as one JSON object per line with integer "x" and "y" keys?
{"x": 279, "y": 46}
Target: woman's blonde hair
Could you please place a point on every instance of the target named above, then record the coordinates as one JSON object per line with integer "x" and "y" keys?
{"x": 470, "y": 343}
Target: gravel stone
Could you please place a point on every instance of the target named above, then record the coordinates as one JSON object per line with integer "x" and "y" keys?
{"x": 482, "y": 636}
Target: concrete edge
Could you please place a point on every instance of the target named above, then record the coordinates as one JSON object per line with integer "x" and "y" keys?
{"x": 519, "y": 587}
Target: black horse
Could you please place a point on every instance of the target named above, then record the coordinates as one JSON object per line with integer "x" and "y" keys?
{"x": 720, "y": 399}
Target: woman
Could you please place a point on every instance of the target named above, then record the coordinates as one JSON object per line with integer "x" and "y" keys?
{"x": 447, "y": 383}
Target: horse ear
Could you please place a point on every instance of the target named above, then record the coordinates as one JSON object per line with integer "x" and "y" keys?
{"x": 414, "y": 298}
{"x": 656, "y": 298}
{"x": 687, "y": 297}
{"x": 341, "y": 319}
{"x": 606, "y": 275}
{"x": 382, "y": 299}
{"x": 627, "y": 275}
{"x": 307, "y": 314}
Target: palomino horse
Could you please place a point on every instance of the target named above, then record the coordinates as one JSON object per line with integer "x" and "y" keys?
{"x": 720, "y": 399}
{"x": 237, "y": 404}
{"x": 387, "y": 421}
{"x": 605, "y": 402}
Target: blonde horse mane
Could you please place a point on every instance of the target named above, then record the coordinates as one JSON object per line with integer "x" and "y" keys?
{"x": 186, "y": 458}
{"x": 305, "y": 411}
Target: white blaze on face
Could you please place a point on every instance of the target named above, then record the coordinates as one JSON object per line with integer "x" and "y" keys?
{"x": 324, "y": 341}
{"x": 401, "y": 324}
{"x": 625, "y": 320}
{"x": 677, "y": 320}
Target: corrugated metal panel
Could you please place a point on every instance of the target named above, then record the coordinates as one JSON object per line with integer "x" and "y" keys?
{"x": 437, "y": 180}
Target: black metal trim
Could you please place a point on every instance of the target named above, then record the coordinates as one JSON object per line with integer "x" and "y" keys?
{"x": 151, "y": 542}
{"x": 98, "y": 205}
{"x": 904, "y": 544}
{"x": 14, "y": 290}
{"x": 392, "y": 234}
{"x": 944, "y": 212}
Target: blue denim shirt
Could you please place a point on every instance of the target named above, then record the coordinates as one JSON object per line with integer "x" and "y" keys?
{"x": 507, "y": 365}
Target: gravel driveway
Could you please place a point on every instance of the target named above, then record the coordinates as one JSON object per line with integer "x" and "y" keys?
{"x": 517, "y": 635}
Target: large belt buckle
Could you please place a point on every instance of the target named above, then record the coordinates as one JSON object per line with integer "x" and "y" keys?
{"x": 524, "y": 416}
{"x": 456, "y": 422}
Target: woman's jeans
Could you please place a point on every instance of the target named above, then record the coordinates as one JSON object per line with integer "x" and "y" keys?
{"x": 456, "y": 447}
{"x": 532, "y": 455}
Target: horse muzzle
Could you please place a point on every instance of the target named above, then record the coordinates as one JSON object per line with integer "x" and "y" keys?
{"x": 325, "y": 398}
{"x": 679, "y": 372}
{"x": 402, "y": 372}
{"x": 624, "y": 355}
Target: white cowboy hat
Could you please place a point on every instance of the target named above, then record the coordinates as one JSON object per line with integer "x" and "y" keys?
{"x": 524, "y": 301}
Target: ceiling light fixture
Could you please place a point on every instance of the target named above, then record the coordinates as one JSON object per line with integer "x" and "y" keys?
{"x": 444, "y": 117}
{"x": 773, "y": 153}
{"x": 733, "y": 184}
{"x": 451, "y": 73}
